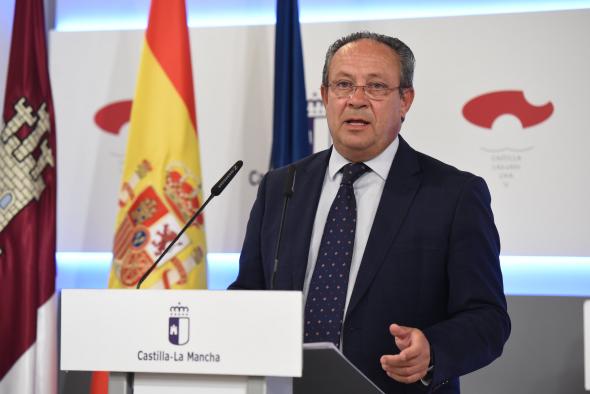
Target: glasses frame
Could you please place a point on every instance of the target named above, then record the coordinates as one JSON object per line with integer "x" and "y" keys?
{"x": 332, "y": 86}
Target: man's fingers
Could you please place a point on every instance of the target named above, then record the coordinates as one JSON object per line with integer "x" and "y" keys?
{"x": 402, "y": 335}
{"x": 411, "y": 363}
{"x": 406, "y": 370}
{"x": 410, "y": 353}
{"x": 407, "y": 354}
{"x": 402, "y": 342}
{"x": 399, "y": 331}
{"x": 395, "y": 361}
{"x": 405, "y": 379}
{"x": 403, "y": 371}
{"x": 400, "y": 360}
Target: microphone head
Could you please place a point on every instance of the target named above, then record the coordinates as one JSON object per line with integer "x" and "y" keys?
{"x": 290, "y": 181}
{"x": 226, "y": 178}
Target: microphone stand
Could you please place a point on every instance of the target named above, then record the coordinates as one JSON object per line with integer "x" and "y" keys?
{"x": 289, "y": 183}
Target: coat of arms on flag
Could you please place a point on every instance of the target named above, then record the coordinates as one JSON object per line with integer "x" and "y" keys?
{"x": 21, "y": 182}
{"x": 152, "y": 221}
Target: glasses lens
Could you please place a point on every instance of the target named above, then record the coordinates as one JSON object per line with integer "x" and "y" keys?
{"x": 376, "y": 92}
{"x": 373, "y": 92}
{"x": 343, "y": 91}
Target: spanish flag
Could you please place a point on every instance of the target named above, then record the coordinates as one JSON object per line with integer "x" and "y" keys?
{"x": 161, "y": 185}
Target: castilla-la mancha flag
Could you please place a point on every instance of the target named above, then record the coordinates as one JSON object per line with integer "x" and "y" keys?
{"x": 28, "y": 326}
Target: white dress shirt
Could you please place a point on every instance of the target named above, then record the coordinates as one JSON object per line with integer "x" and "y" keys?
{"x": 367, "y": 191}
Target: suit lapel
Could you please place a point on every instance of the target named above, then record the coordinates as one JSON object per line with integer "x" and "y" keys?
{"x": 309, "y": 179}
{"x": 400, "y": 188}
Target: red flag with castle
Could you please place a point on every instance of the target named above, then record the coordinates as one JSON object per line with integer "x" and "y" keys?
{"x": 28, "y": 326}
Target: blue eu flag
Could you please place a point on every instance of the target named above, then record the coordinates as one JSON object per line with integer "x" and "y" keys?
{"x": 291, "y": 140}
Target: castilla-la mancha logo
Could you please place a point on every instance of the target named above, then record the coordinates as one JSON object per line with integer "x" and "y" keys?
{"x": 506, "y": 153}
{"x": 179, "y": 325}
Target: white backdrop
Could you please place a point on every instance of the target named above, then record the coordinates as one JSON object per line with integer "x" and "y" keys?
{"x": 537, "y": 174}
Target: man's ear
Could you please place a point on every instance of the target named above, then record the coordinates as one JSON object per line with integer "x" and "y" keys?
{"x": 407, "y": 97}
{"x": 324, "y": 92}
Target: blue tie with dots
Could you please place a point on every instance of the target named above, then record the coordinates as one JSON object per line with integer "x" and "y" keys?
{"x": 324, "y": 308}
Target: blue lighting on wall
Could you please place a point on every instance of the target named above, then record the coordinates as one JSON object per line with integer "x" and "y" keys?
{"x": 74, "y": 15}
{"x": 546, "y": 275}
{"x": 523, "y": 275}
{"x": 91, "y": 270}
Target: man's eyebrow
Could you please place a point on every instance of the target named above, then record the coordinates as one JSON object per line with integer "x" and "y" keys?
{"x": 376, "y": 75}
{"x": 344, "y": 74}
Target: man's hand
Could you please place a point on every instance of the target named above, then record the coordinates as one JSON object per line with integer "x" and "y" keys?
{"x": 411, "y": 364}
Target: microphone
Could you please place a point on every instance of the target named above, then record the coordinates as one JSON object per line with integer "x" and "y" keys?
{"x": 287, "y": 193}
{"x": 226, "y": 179}
{"x": 215, "y": 191}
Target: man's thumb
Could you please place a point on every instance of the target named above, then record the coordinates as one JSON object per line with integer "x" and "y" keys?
{"x": 399, "y": 331}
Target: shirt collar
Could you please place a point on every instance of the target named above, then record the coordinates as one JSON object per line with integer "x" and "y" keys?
{"x": 379, "y": 164}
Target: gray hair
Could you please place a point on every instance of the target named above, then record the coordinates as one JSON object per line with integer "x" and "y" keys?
{"x": 406, "y": 57}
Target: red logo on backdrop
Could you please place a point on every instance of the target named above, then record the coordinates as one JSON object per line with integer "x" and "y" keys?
{"x": 113, "y": 116}
{"x": 483, "y": 110}
{"x": 507, "y": 155}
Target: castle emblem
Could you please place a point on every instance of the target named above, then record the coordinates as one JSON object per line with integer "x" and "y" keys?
{"x": 23, "y": 157}
{"x": 179, "y": 325}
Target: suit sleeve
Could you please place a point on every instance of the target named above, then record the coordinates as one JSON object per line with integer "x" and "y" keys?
{"x": 251, "y": 273}
{"x": 478, "y": 324}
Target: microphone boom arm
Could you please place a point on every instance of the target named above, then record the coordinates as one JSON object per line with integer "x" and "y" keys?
{"x": 215, "y": 191}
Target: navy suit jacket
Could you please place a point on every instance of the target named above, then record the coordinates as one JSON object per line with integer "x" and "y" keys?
{"x": 431, "y": 262}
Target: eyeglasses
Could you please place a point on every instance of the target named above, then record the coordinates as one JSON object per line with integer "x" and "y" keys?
{"x": 373, "y": 90}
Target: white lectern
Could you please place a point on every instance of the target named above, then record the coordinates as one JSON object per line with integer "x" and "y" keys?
{"x": 184, "y": 340}
{"x": 200, "y": 341}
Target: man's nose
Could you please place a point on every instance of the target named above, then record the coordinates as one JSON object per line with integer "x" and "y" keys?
{"x": 358, "y": 96}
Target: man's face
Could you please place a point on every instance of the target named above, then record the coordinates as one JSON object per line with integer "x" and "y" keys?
{"x": 362, "y": 128}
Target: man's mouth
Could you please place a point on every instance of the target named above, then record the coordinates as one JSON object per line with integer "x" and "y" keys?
{"x": 356, "y": 122}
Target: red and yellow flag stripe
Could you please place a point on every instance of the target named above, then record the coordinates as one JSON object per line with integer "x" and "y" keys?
{"x": 161, "y": 183}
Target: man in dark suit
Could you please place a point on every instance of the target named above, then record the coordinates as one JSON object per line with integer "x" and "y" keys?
{"x": 397, "y": 253}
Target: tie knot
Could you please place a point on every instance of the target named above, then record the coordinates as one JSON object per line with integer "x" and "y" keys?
{"x": 353, "y": 171}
